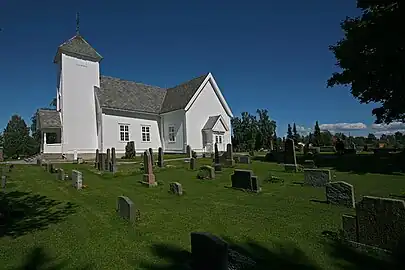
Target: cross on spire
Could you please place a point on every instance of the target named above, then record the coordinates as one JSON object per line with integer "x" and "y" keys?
{"x": 77, "y": 23}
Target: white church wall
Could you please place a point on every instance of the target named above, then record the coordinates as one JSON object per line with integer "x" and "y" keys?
{"x": 207, "y": 104}
{"x": 111, "y": 122}
{"x": 173, "y": 121}
{"x": 78, "y": 104}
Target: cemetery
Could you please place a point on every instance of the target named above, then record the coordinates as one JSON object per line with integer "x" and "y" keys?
{"x": 225, "y": 211}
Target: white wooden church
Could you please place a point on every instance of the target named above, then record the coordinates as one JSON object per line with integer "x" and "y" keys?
{"x": 100, "y": 112}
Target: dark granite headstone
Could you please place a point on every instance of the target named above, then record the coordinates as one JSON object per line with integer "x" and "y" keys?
{"x": 126, "y": 208}
{"x": 209, "y": 252}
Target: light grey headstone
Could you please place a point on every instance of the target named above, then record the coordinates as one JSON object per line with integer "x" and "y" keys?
{"x": 77, "y": 179}
{"x": 316, "y": 177}
{"x": 176, "y": 188}
{"x": 61, "y": 174}
{"x": 381, "y": 222}
{"x": 3, "y": 181}
{"x": 340, "y": 193}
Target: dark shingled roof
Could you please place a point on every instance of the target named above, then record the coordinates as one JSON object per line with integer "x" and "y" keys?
{"x": 126, "y": 95}
{"x": 211, "y": 122}
{"x": 48, "y": 118}
{"x": 179, "y": 96}
{"x": 116, "y": 93}
{"x": 79, "y": 47}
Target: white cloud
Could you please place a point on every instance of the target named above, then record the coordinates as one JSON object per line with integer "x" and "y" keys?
{"x": 388, "y": 129}
{"x": 303, "y": 130}
{"x": 342, "y": 127}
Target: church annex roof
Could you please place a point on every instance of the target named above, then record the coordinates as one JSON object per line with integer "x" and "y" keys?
{"x": 48, "y": 118}
{"x": 116, "y": 93}
{"x": 77, "y": 46}
{"x": 212, "y": 120}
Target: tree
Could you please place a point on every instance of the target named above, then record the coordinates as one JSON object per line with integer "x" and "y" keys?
{"x": 266, "y": 128}
{"x": 371, "y": 56}
{"x": 17, "y": 141}
{"x": 1, "y": 140}
{"x": 317, "y": 138}
{"x": 296, "y": 136}
{"x": 35, "y": 133}
{"x": 289, "y": 132}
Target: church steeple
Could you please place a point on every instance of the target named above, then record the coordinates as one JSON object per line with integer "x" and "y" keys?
{"x": 78, "y": 47}
{"x": 77, "y": 23}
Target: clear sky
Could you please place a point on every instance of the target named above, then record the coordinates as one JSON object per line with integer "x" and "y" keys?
{"x": 263, "y": 54}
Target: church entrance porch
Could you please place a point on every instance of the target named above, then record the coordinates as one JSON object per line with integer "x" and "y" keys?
{"x": 51, "y": 141}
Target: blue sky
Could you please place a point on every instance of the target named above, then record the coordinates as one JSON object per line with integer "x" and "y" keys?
{"x": 263, "y": 54}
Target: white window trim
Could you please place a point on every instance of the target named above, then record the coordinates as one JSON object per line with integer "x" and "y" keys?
{"x": 128, "y": 132}
{"x": 173, "y": 133}
{"x": 150, "y": 136}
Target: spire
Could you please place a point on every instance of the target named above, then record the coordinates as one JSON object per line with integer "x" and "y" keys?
{"x": 77, "y": 23}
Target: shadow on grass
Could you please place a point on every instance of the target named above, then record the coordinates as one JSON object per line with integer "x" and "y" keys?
{"x": 350, "y": 258}
{"x": 38, "y": 259}
{"x": 22, "y": 212}
{"x": 281, "y": 257}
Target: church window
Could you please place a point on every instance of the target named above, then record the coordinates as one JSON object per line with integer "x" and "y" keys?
{"x": 146, "y": 133}
{"x": 172, "y": 134}
{"x": 124, "y": 133}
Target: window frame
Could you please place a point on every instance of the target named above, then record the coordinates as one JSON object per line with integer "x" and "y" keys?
{"x": 146, "y": 133}
{"x": 172, "y": 133}
{"x": 124, "y": 132}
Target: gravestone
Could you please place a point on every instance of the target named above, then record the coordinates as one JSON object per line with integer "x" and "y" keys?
{"x": 229, "y": 161}
{"x": 290, "y": 168}
{"x": 244, "y": 179}
{"x": 192, "y": 163}
{"x": 349, "y": 225}
{"x": 39, "y": 161}
{"x": 151, "y": 155}
{"x": 108, "y": 160}
{"x": 289, "y": 153}
{"x": 51, "y": 168}
{"x": 61, "y": 174}
{"x": 309, "y": 164}
{"x": 77, "y": 179}
{"x": 176, "y": 188}
{"x": 217, "y": 163}
{"x": 46, "y": 167}
{"x": 3, "y": 181}
{"x": 113, "y": 167}
{"x": 245, "y": 159}
{"x": 160, "y": 161}
{"x": 80, "y": 160}
{"x": 208, "y": 252}
{"x": 340, "y": 193}
{"x": 317, "y": 177}
{"x": 97, "y": 159}
{"x": 101, "y": 161}
{"x": 188, "y": 151}
{"x": 148, "y": 177}
{"x": 381, "y": 222}
{"x": 126, "y": 208}
{"x": 206, "y": 172}
{"x": 75, "y": 155}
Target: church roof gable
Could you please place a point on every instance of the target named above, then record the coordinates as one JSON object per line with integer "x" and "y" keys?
{"x": 178, "y": 97}
{"x": 79, "y": 47}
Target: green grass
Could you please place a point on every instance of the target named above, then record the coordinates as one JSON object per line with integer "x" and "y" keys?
{"x": 89, "y": 233}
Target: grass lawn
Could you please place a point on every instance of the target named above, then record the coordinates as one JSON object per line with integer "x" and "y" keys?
{"x": 79, "y": 229}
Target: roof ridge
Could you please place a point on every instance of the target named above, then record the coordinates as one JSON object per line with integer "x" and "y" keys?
{"x": 125, "y": 80}
{"x": 186, "y": 82}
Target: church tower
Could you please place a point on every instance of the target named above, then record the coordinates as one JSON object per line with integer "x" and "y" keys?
{"x": 78, "y": 72}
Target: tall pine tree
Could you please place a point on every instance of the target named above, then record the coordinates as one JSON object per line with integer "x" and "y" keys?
{"x": 296, "y": 136}
{"x": 317, "y": 135}
{"x": 17, "y": 139}
{"x": 289, "y": 132}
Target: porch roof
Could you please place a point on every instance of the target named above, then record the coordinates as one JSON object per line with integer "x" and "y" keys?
{"x": 48, "y": 119}
{"x": 212, "y": 120}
